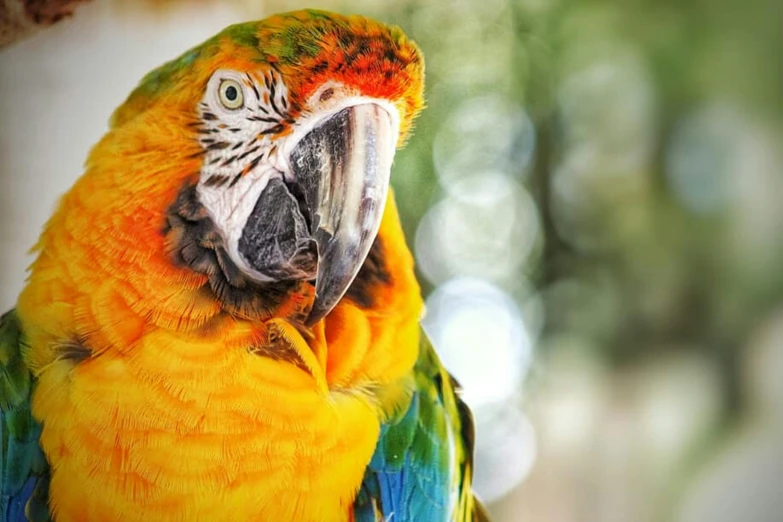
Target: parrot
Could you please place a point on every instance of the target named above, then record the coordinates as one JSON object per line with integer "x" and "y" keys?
{"x": 221, "y": 322}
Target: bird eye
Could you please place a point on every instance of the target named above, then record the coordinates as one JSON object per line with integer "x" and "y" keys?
{"x": 230, "y": 93}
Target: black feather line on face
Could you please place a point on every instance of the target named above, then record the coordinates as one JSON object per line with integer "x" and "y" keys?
{"x": 248, "y": 152}
{"x": 217, "y": 180}
{"x": 220, "y": 145}
{"x": 229, "y": 161}
{"x": 253, "y": 86}
{"x": 236, "y": 179}
{"x": 273, "y": 130}
{"x": 274, "y": 106}
{"x": 261, "y": 119}
{"x": 255, "y": 162}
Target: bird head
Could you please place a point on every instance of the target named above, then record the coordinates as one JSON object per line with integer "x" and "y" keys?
{"x": 261, "y": 159}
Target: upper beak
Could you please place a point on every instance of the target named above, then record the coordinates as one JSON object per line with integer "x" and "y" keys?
{"x": 343, "y": 168}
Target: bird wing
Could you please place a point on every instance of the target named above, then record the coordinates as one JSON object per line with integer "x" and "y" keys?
{"x": 23, "y": 468}
{"x": 423, "y": 463}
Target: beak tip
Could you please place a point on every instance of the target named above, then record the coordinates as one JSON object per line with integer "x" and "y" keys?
{"x": 317, "y": 313}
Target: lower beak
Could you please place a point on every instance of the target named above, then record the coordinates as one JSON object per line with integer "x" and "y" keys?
{"x": 343, "y": 167}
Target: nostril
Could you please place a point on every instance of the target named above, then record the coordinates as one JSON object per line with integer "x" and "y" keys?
{"x": 327, "y": 94}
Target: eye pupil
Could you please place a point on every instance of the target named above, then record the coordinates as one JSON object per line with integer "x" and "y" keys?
{"x": 230, "y": 94}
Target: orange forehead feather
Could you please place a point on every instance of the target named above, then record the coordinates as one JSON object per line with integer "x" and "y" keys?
{"x": 308, "y": 48}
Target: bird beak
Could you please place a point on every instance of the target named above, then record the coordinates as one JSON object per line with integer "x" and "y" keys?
{"x": 342, "y": 167}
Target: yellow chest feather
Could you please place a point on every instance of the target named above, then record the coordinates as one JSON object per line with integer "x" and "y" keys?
{"x": 242, "y": 437}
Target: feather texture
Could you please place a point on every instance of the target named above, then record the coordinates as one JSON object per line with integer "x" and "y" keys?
{"x": 421, "y": 469}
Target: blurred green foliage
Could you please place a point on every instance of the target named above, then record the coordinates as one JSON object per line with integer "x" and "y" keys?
{"x": 650, "y": 272}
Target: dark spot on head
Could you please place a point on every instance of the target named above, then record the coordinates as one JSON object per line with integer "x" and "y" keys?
{"x": 328, "y": 93}
{"x": 319, "y": 67}
{"x": 350, "y": 57}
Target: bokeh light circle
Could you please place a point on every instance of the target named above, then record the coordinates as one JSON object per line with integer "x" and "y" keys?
{"x": 506, "y": 450}
{"x": 487, "y": 228}
{"x": 480, "y": 335}
{"x": 702, "y": 158}
{"x": 487, "y": 133}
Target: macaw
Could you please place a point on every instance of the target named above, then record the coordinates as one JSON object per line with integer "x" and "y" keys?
{"x": 222, "y": 321}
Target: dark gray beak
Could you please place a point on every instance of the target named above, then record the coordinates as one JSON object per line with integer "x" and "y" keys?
{"x": 342, "y": 168}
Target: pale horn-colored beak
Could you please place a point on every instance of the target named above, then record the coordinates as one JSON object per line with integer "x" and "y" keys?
{"x": 343, "y": 168}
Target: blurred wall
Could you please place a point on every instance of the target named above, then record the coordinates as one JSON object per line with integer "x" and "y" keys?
{"x": 57, "y": 91}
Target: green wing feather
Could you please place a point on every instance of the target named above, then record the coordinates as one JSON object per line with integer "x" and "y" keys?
{"x": 23, "y": 467}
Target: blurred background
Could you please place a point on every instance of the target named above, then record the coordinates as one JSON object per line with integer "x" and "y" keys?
{"x": 593, "y": 199}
